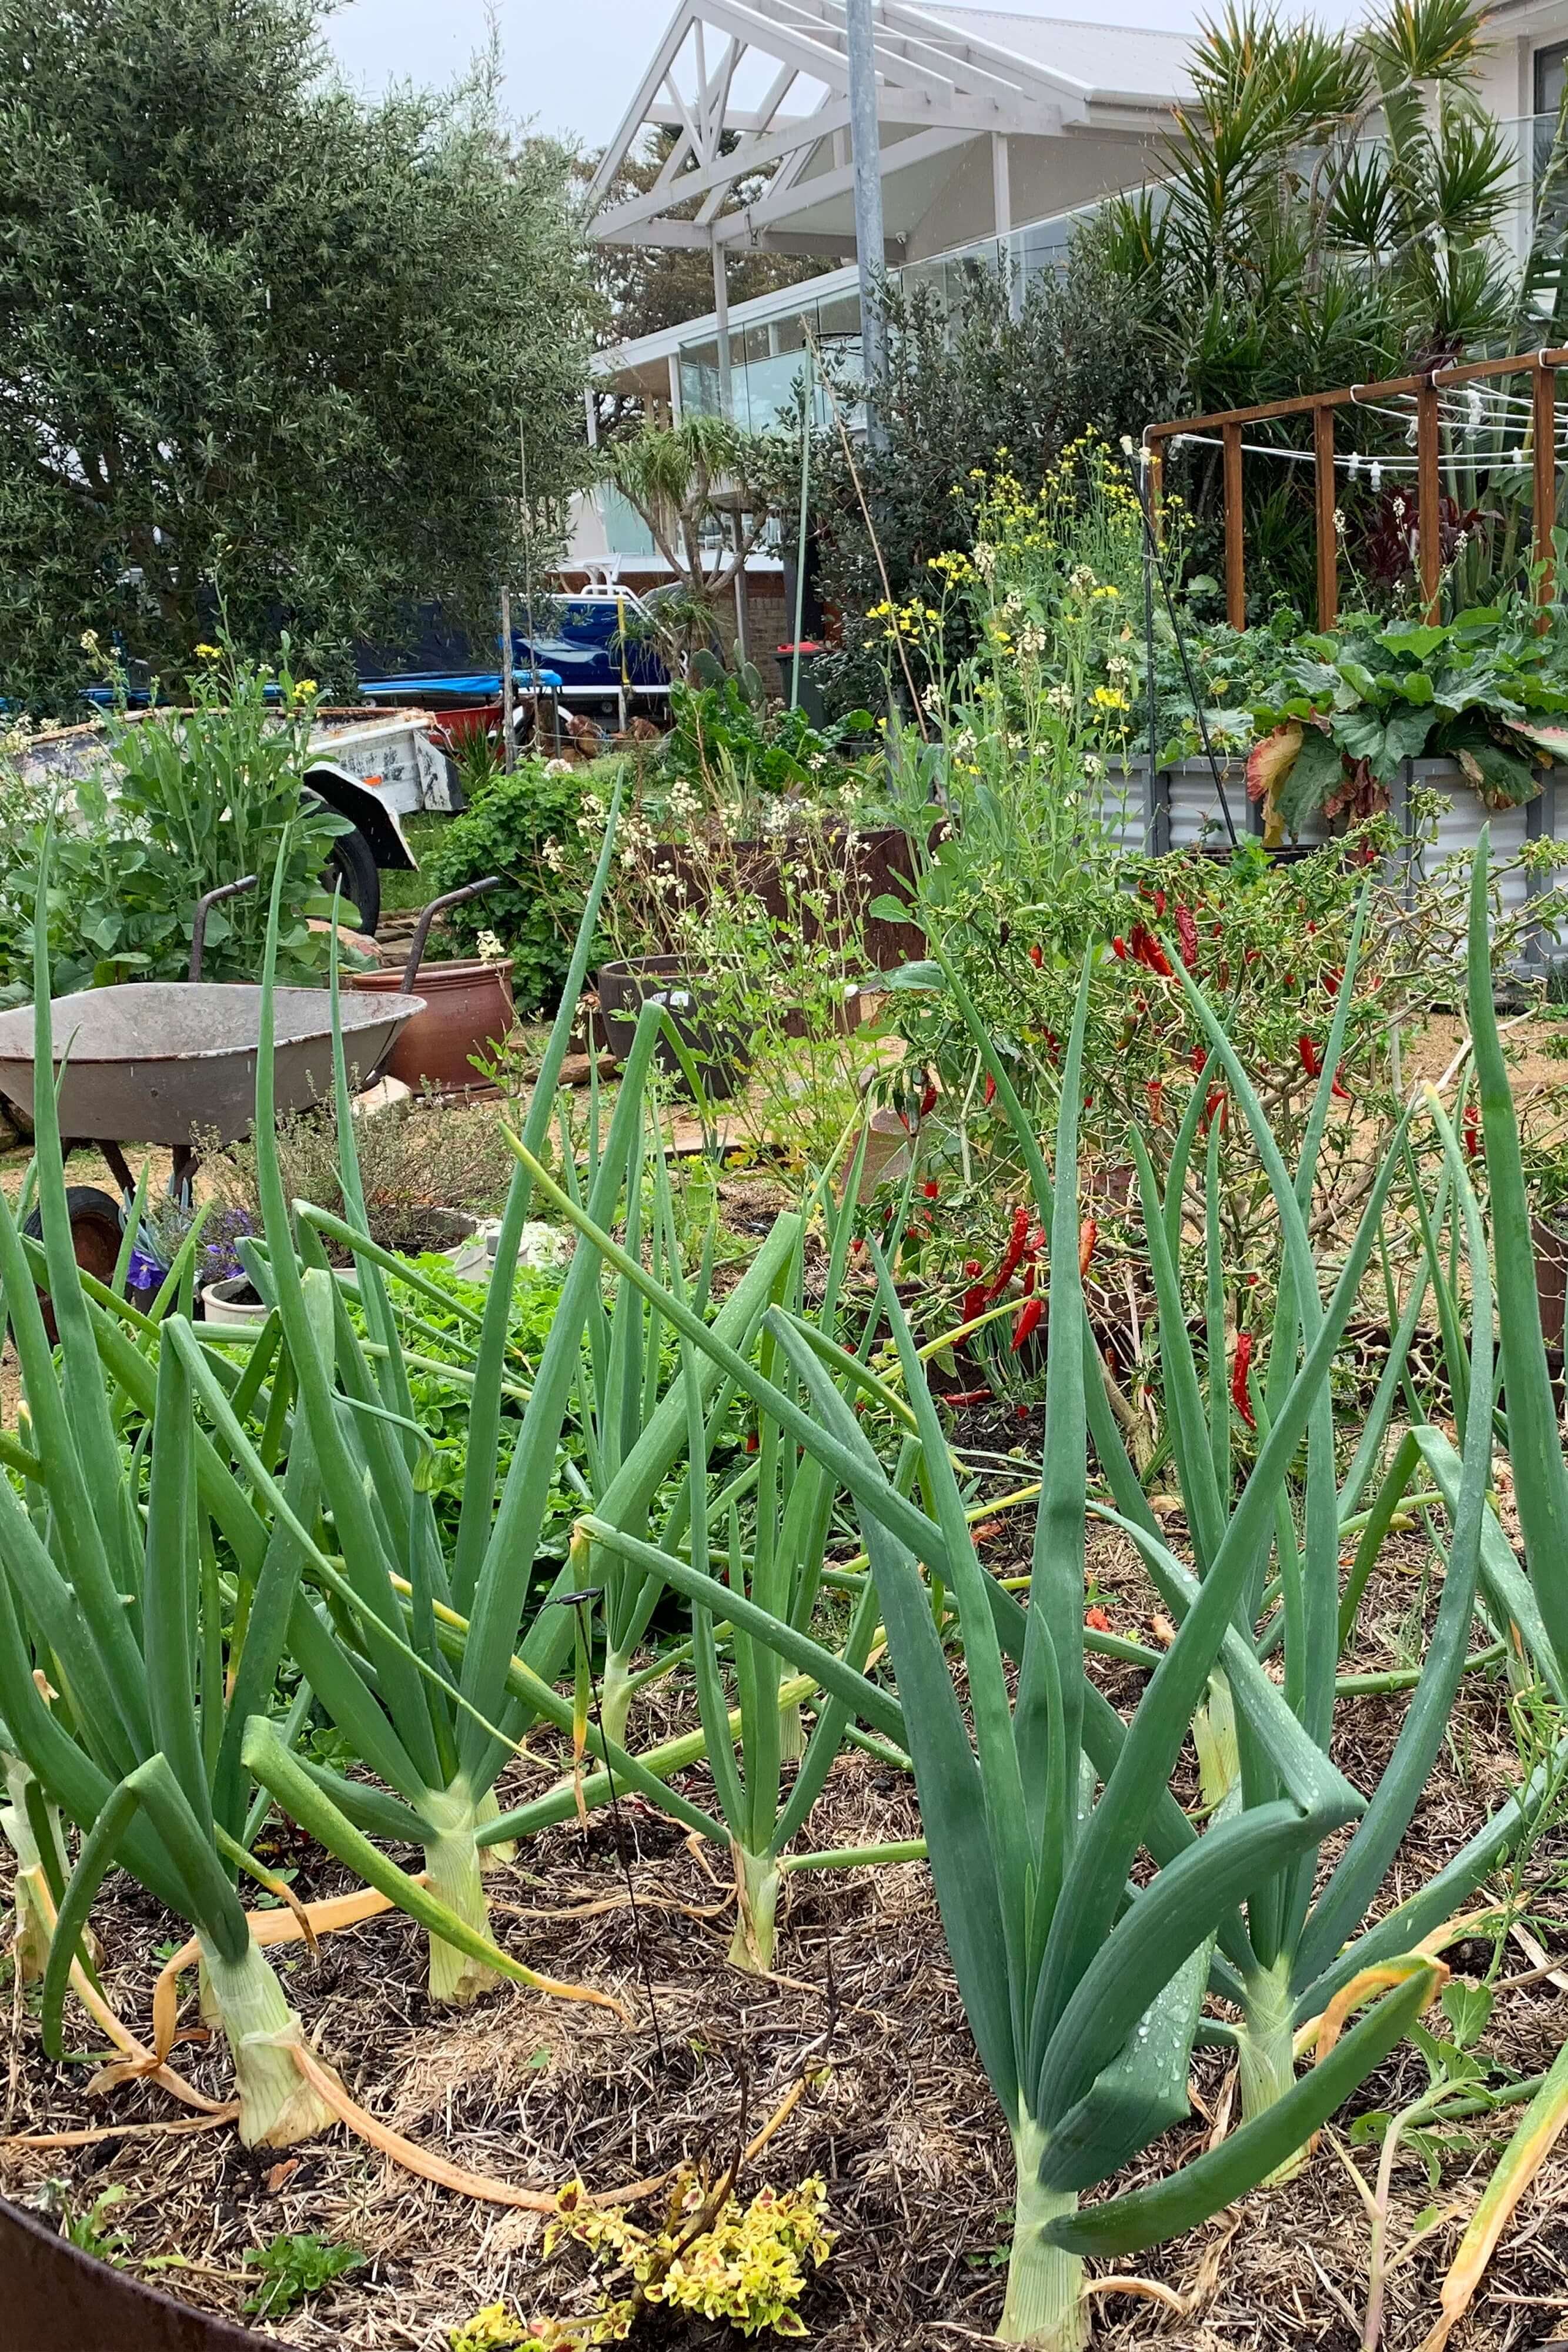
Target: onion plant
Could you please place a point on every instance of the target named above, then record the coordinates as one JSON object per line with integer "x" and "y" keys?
{"x": 112, "y": 1686}
{"x": 1083, "y": 1990}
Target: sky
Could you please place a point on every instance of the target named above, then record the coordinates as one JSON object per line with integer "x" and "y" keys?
{"x": 572, "y": 65}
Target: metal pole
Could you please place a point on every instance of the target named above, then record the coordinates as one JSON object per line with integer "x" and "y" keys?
{"x": 807, "y": 405}
{"x": 870, "y": 248}
{"x": 1428, "y": 501}
{"x": 509, "y": 746}
{"x": 721, "y": 325}
{"x": 529, "y": 586}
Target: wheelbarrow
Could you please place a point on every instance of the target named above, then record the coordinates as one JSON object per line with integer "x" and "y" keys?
{"x": 164, "y": 1061}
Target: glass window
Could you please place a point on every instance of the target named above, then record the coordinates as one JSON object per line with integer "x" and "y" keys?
{"x": 1550, "y": 66}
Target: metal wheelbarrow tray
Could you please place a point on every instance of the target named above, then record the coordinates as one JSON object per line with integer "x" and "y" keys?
{"x": 159, "y": 1061}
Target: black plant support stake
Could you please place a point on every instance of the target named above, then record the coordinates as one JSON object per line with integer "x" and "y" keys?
{"x": 580, "y": 1602}
{"x": 1152, "y": 560}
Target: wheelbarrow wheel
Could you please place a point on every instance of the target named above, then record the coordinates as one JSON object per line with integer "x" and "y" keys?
{"x": 351, "y": 861}
{"x": 96, "y": 1235}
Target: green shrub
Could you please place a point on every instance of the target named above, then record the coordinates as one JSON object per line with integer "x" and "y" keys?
{"x": 518, "y": 826}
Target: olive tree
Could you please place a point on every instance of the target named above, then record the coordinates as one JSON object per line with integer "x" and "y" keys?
{"x": 263, "y": 343}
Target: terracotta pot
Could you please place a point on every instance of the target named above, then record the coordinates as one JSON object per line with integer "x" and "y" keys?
{"x": 467, "y": 1008}
{"x": 625, "y": 987}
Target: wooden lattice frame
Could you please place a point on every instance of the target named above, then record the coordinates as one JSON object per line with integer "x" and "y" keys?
{"x": 1540, "y": 366}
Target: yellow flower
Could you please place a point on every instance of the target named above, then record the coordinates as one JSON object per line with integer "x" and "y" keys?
{"x": 210, "y": 653}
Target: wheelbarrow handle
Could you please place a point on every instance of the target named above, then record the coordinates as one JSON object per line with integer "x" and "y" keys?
{"x": 199, "y": 920}
{"x": 427, "y": 917}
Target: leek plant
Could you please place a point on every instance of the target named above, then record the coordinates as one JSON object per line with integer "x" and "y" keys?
{"x": 112, "y": 1665}
{"x": 1083, "y": 1990}
{"x": 436, "y": 1718}
{"x": 1534, "y": 1606}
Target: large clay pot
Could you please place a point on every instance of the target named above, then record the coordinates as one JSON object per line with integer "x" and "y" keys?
{"x": 624, "y": 987}
{"x": 467, "y": 1010}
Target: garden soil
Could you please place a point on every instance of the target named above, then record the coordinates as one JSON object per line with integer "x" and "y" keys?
{"x": 897, "y": 2118}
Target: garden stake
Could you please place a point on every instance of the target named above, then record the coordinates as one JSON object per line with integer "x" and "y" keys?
{"x": 1152, "y": 555}
{"x": 577, "y": 1601}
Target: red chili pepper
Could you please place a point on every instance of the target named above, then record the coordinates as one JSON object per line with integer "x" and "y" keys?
{"x": 1148, "y": 950}
{"x": 1087, "y": 1235}
{"x": 1201, "y": 1059}
{"x": 1472, "y": 1131}
{"x": 1155, "y": 1090}
{"x": 751, "y": 1441}
{"x": 1029, "y": 1314}
{"x": 1239, "y": 1396}
{"x": 1119, "y": 949}
{"x": 1097, "y": 1620}
{"x": 1159, "y": 902}
{"x": 1310, "y": 1061}
{"x": 1036, "y": 957}
{"x": 1018, "y": 1242}
{"x": 1333, "y": 982}
{"x": 1216, "y": 1102}
{"x": 964, "y": 1396}
{"x": 1186, "y": 937}
{"x": 931, "y": 1190}
{"x": 990, "y": 1089}
{"x": 927, "y": 1101}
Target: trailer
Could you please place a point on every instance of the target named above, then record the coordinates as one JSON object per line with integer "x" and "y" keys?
{"x": 372, "y": 766}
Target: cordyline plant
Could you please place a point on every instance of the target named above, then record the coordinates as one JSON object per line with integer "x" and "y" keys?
{"x": 1084, "y": 1991}
{"x": 111, "y": 1668}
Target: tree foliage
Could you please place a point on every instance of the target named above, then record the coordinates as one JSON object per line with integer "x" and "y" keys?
{"x": 261, "y": 341}
{"x": 965, "y": 385}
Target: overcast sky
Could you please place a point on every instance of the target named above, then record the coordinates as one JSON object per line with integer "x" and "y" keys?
{"x": 573, "y": 65}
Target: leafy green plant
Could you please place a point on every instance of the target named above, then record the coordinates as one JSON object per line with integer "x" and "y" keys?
{"x": 293, "y": 2267}
{"x": 183, "y": 801}
{"x": 1341, "y": 713}
{"x": 523, "y": 827}
{"x": 725, "y": 740}
{"x": 91, "y": 2231}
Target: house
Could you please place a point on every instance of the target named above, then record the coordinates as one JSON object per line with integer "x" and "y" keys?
{"x": 995, "y": 131}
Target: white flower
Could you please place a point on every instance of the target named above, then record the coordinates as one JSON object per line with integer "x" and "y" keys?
{"x": 563, "y": 768}
{"x": 1093, "y": 768}
{"x": 551, "y": 853}
{"x": 489, "y": 947}
{"x": 1081, "y": 577}
{"x": 984, "y": 558}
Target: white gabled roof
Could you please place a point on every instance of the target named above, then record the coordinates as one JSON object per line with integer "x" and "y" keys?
{"x": 757, "y": 91}
{"x": 1119, "y": 62}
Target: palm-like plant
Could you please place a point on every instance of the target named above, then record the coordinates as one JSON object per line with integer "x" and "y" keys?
{"x": 705, "y": 489}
